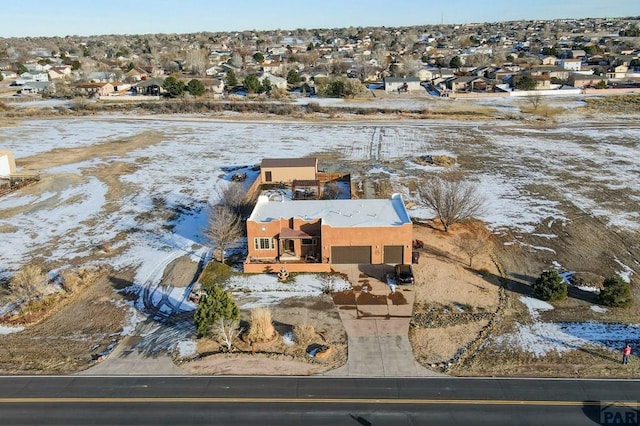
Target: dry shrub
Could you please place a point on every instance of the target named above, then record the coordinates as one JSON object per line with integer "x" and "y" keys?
{"x": 443, "y": 160}
{"x": 260, "y": 328}
{"x": 30, "y": 282}
{"x": 303, "y": 334}
{"x": 72, "y": 280}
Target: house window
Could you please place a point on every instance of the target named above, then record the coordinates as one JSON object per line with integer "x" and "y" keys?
{"x": 263, "y": 243}
{"x": 309, "y": 242}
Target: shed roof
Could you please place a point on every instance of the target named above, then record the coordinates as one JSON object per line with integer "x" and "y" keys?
{"x": 336, "y": 213}
{"x": 289, "y": 162}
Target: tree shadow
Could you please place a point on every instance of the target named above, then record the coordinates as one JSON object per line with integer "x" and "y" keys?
{"x": 361, "y": 420}
{"x": 521, "y": 285}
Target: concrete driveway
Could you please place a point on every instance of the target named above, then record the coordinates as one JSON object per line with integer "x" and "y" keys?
{"x": 377, "y": 325}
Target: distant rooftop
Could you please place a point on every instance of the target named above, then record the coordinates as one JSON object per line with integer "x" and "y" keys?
{"x": 289, "y": 162}
{"x": 336, "y": 213}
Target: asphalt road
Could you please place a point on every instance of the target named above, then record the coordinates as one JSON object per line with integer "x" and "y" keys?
{"x": 83, "y": 400}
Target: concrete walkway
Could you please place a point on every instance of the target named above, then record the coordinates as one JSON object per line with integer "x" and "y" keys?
{"x": 377, "y": 325}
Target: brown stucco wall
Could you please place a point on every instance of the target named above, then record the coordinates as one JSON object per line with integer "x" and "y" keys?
{"x": 288, "y": 174}
{"x": 376, "y": 237}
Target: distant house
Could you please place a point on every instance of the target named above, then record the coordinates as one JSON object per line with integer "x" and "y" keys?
{"x": 550, "y": 72}
{"x": 617, "y": 73}
{"x": 34, "y": 87}
{"x": 152, "y": 87}
{"x": 35, "y": 76}
{"x": 549, "y": 60}
{"x": 7, "y": 163}
{"x": 581, "y": 81}
{"x": 94, "y": 89}
{"x": 405, "y": 84}
{"x": 310, "y": 236}
{"x": 7, "y": 74}
{"x": 279, "y": 82}
{"x": 571, "y": 64}
{"x": 214, "y": 70}
{"x": 467, "y": 84}
{"x": 136, "y": 74}
{"x": 274, "y": 170}
{"x": 275, "y": 66}
{"x": 59, "y": 72}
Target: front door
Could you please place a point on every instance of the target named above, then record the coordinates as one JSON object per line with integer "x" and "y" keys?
{"x": 267, "y": 176}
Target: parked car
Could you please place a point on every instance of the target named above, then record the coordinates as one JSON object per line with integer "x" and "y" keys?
{"x": 404, "y": 274}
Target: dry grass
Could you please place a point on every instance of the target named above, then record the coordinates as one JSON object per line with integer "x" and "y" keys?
{"x": 73, "y": 279}
{"x": 304, "y": 334}
{"x": 260, "y": 326}
{"x": 29, "y": 282}
{"x": 620, "y": 104}
{"x": 435, "y": 345}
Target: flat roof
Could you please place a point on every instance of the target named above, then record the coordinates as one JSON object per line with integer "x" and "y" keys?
{"x": 289, "y": 162}
{"x": 336, "y": 213}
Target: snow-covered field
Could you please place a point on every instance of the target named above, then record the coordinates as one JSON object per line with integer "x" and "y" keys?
{"x": 541, "y": 338}
{"x": 182, "y": 172}
{"x": 509, "y": 162}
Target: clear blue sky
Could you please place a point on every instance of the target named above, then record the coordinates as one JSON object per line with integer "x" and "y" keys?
{"x": 21, "y": 18}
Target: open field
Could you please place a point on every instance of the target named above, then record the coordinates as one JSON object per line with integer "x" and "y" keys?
{"x": 131, "y": 194}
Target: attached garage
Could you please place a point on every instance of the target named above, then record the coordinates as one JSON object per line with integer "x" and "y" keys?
{"x": 351, "y": 254}
{"x": 393, "y": 254}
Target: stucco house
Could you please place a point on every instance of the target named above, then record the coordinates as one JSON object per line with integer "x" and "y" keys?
{"x": 34, "y": 87}
{"x": 396, "y": 84}
{"x": 581, "y": 81}
{"x": 7, "y": 163}
{"x": 279, "y": 82}
{"x": 310, "y": 236}
{"x": 95, "y": 89}
{"x": 275, "y": 170}
{"x": 571, "y": 64}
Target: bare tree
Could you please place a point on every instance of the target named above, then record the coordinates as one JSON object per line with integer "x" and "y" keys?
{"x": 226, "y": 330}
{"x": 410, "y": 66}
{"x": 197, "y": 61}
{"x": 535, "y": 99}
{"x": 234, "y": 196}
{"x": 225, "y": 226}
{"x": 381, "y": 55}
{"x": 452, "y": 200}
{"x": 472, "y": 244}
{"x": 236, "y": 60}
{"x": 30, "y": 282}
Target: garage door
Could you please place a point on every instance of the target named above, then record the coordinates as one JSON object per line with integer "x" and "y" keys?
{"x": 393, "y": 254}
{"x": 352, "y": 254}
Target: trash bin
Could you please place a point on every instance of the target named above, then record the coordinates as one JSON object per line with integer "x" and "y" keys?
{"x": 415, "y": 256}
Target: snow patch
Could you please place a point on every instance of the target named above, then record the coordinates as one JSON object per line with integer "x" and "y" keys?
{"x": 534, "y": 305}
{"x": 626, "y": 272}
{"x": 264, "y": 289}
{"x": 598, "y": 309}
{"x": 136, "y": 318}
{"x": 186, "y": 348}
{"x": 8, "y": 330}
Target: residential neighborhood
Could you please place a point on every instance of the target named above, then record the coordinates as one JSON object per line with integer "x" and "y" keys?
{"x": 556, "y": 57}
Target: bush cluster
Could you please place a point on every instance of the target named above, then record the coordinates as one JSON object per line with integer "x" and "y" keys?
{"x": 550, "y": 287}
{"x": 616, "y": 293}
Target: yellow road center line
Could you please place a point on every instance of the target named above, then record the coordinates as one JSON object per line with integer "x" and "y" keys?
{"x": 253, "y": 400}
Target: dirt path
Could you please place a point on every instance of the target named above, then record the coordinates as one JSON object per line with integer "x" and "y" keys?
{"x": 61, "y": 156}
